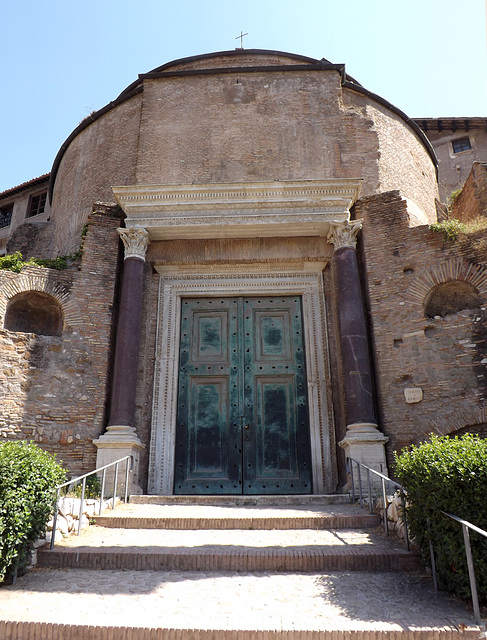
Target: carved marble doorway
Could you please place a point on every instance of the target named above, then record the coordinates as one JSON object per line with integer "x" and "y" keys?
{"x": 180, "y": 283}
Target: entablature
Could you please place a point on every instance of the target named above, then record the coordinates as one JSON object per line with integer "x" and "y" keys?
{"x": 238, "y": 210}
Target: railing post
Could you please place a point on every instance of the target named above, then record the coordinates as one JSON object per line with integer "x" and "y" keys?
{"x": 360, "y": 486}
{"x": 115, "y": 481}
{"x": 404, "y": 520}
{"x": 471, "y": 575}
{"x": 432, "y": 560}
{"x": 384, "y": 504}
{"x": 352, "y": 479}
{"x": 102, "y": 492}
{"x": 127, "y": 468}
{"x": 81, "y": 505}
{"x": 371, "y": 509}
{"x": 54, "y": 522}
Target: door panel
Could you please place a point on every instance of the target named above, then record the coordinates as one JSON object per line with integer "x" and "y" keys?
{"x": 208, "y": 455}
{"x": 242, "y": 423}
{"x": 277, "y": 453}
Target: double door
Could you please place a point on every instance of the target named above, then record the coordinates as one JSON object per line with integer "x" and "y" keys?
{"x": 242, "y": 421}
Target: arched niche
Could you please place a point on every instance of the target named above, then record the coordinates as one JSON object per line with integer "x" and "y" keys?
{"x": 34, "y": 312}
{"x": 451, "y": 297}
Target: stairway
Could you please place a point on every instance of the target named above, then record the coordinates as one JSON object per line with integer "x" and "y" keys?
{"x": 301, "y": 567}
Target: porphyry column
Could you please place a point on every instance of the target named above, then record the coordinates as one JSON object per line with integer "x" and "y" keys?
{"x": 363, "y": 441}
{"x": 120, "y": 438}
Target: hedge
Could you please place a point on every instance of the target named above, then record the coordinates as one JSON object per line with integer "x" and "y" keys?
{"x": 448, "y": 474}
{"x": 28, "y": 476}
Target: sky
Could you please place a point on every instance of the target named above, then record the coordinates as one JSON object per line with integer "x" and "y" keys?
{"x": 62, "y": 59}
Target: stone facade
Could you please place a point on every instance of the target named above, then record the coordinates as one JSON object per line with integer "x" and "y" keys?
{"x": 472, "y": 201}
{"x": 16, "y": 207}
{"x": 444, "y": 357}
{"x": 238, "y": 167}
{"x": 458, "y": 143}
{"x": 54, "y": 388}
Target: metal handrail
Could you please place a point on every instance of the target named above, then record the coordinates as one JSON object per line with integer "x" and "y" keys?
{"x": 128, "y": 469}
{"x": 468, "y": 553}
{"x": 383, "y": 479}
{"x": 465, "y": 527}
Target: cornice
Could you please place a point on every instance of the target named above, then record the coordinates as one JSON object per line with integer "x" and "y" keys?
{"x": 250, "y": 209}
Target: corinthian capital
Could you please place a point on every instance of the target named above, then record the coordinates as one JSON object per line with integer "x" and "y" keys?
{"x": 135, "y": 240}
{"x": 344, "y": 234}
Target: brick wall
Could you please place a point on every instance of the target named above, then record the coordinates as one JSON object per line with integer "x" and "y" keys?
{"x": 232, "y": 127}
{"x": 472, "y": 201}
{"x": 445, "y": 357}
{"x": 101, "y": 156}
{"x": 54, "y": 389}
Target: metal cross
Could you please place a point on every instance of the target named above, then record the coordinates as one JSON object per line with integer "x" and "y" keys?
{"x": 241, "y": 36}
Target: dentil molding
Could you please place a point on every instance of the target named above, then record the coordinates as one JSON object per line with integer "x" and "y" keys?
{"x": 238, "y": 210}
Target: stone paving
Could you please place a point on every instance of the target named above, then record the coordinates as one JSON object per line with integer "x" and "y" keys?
{"x": 186, "y": 605}
{"x": 215, "y": 539}
{"x": 341, "y": 601}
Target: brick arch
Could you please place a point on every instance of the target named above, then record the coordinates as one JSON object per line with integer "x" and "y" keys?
{"x": 449, "y": 271}
{"x": 41, "y": 281}
{"x": 462, "y": 419}
{"x": 34, "y": 312}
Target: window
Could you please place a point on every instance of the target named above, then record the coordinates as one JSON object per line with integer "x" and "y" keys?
{"x": 6, "y": 215}
{"x": 461, "y": 144}
{"x": 37, "y": 204}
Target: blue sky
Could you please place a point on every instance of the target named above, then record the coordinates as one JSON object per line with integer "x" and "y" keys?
{"x": 62, "y": 59}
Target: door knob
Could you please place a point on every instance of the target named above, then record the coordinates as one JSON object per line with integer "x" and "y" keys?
{"x": 247, "y": 427}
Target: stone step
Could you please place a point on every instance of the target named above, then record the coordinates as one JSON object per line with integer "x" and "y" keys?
{"x": 154, "y": 605}
{"x": 189, "y": 516}
{"x": 139, "y": 559}
{"x": 229, "y": 550}
{"x": 242, "y": 501}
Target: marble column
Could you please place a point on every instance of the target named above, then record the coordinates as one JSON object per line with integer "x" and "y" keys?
{"x": 121, "y": 438}
{"x": 363, "y": 441}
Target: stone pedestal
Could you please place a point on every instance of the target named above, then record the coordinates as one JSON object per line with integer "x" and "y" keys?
{"x": 121, "y": 438}
{"x": 116, "y": 443}
{"x": 365, "y": 443}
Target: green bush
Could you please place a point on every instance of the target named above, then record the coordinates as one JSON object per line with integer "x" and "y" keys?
{"x": 15, "y": 262}
{"x": 28, "y": 476}
{"x": 448, "y": 474}
{"x": 450, "y": 229}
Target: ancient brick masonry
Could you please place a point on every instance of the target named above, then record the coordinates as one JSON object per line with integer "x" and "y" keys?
{"x": 444, "y": 357}
{"x": 54, "y": 389}
{"x": 472, "y": 201}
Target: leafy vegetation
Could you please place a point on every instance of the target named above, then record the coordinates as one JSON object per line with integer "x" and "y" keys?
{"x": 448, "y": 474}
{"x": 453, "y": 197}
{"x": 450, "y": 229}
{"x": 15, "y": 262}
{"x": 28, "y": 476}
{"x": 92, "y": 489}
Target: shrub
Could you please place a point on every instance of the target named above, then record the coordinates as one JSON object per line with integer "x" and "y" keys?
{"x": 450, "y": 229}
{"x": 15, "y": 262}
{"x": 448, "y": 474}
{"x": 28, "y": 476}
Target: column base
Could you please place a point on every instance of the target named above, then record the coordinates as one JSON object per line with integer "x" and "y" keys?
{"x": 119, "y": 441}
{"x": 365, "y": 443}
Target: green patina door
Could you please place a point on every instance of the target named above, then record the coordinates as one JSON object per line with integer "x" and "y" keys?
{"x": 242, "y": 424}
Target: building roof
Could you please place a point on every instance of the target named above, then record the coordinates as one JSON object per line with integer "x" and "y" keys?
{"x": 35, "y": 182}
{"x": 437, "y": 125}
{"x": 185, "y": 67}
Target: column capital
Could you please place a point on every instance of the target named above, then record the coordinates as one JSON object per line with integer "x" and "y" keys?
{"x": 344, "y": 234}
{"x": 135, "y": 240}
